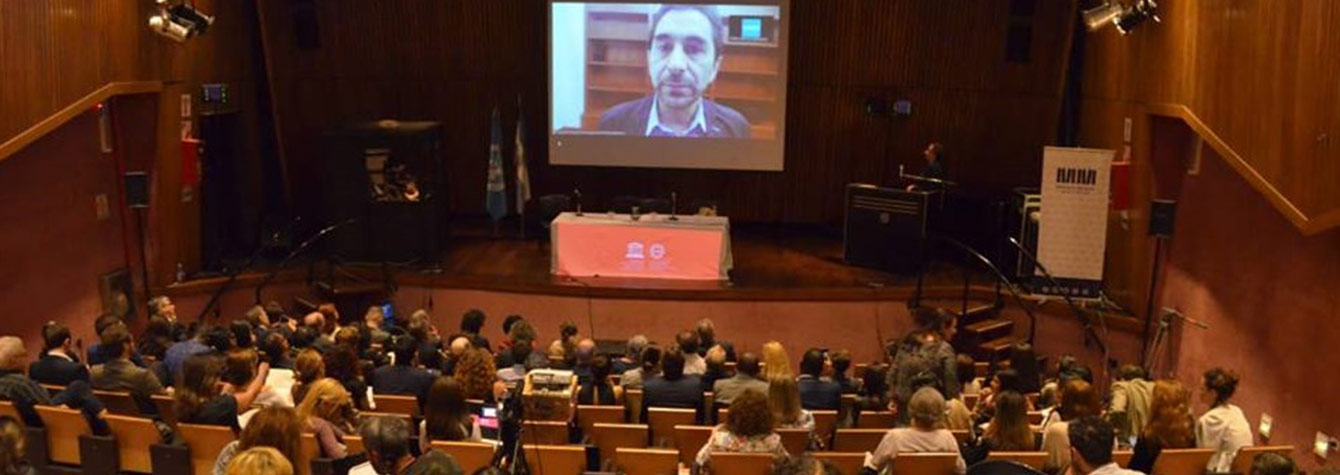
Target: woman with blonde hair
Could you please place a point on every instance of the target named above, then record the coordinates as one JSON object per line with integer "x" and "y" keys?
{"x": 307, "y": 369}
{"x": 1170, "y": 425}
{"x": 328, "y": 411}
{"x": 13, "y": 448}
{"x": 260, "y": 461}
{"x": 776, "y": 363}
{"x": 784, "y": 400}
{"x": 277, "y": 427}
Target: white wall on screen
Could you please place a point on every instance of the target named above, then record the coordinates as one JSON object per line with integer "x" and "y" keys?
{"x": 568, "y": 53}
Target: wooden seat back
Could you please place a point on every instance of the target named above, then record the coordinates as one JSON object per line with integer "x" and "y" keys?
{"x": 1242, "y": 462}
{"x": 308, "y": 450}
{"x": 825, "y": 421}
{"x": 632, "y": 398}
{"x": 471, "y": 455}
{"x": 857, "y": 440}
{"x": 846, "y": 462}
{"x": 1033, "y": 460}
{"x": 7, "y": 409}
{"x": 556, "y": 459}
{"x": 354, "y": 445}
{"x": 588, "y": 416}
{"x": 925, "y": 464}
{"x": 796, "y": 441}
{"x": 167, "y": 409}
{"x": 205, "y": 442}
{"x": 608, "y": 438}
{"x": 118, "y": 402}
{"x": 544, "y": 433}
{"x": 689, "y": 439}
{"x": 64, "y": 426}
{"x": 408, "y": 405}
{"x": 663, "y": 420}
{"x": 961, "y": 436}
{"x": 875, "y": 420}
{"x": 728, "y": 463}
{"x": 133, "y": 437}
{"x": 647, "y": 461}
{"x": 1182, "y": 461}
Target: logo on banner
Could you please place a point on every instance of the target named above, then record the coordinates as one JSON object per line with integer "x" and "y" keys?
{"x": 635, "y": 251}
{"x": 657, "y": 251}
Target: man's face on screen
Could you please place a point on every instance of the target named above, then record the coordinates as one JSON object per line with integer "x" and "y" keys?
{"x": 682, "y": 59}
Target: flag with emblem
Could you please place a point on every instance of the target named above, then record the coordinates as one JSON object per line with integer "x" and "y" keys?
{"x": 496, "y": 199}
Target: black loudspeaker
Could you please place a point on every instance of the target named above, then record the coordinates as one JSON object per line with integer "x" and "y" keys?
{"x": 137, "y": 189}
{"x": 1162, "y": 215}
{"x": 306, "y": 29}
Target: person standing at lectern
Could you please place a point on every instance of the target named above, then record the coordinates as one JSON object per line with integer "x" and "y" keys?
{"x": 935, "y": 168}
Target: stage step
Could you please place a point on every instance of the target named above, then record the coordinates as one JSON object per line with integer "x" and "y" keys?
{"x": 986, "y": 330}
{"x": 996, "y": 350}
{"x": 976, "y": 313}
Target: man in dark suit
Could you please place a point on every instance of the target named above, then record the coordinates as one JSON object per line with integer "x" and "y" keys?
{"x": 816, "y": 393}
{"x": 935, "y": 168}
{"x": 672, "y": 388}
{"x": 58, "y": 365}
{"x": 403, "y": 378}
{"x": 683, "y": 56}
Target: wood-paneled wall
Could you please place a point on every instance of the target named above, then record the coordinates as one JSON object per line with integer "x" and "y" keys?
{"x": 455, "y": 61}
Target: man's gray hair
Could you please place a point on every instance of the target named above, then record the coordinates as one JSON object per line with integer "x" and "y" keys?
{"x": 926, "y": 408}
{"x": 635, "y": 346}
{"x": 709, "y": 11}
{"x": 387, "y": 437}
{"x": 13, "y": 355}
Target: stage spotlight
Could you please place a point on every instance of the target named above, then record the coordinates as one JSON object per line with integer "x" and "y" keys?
{"x": 179, "y": 22}
{"x": 1134, "y": 16}
{"x": 1098, "y": 17}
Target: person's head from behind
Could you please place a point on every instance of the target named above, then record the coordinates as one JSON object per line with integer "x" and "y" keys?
{"x": 277, "y": 427}
{"x": 1170, "y": 415}
{"x": 600, "y": 369}
{"x": 259, "y": 461}
{"x": 240, "y": 367}
{"x": 472, "y": 322}
{"x": 116, "y": 342}
{"x": 812, "y": 362}
{"x": 567, "y": 330}
{"x": 326, "y": 399}
{"x": 105, "y": 321}
{"x": 841, "y": 362}
{"x": 1090, "y": 443}
{"x": 349, "y": 338}
{"x": 304, "y": 337}
{"x": 651, "y": 360}
{"x": 1079, "y": 399}
{"x": 241, "y": 331}
{"x": 872, "y": 382}
{"x": 750, "y": 415}
{"x": 926, "y": 409}
{"x": 748, "y": 365}
{"x": 309, "y": 366}
{"x": 446, "y": 414}
{"x": 1025, "y": 361}
{"x": 716, "y": 360}
{"x": 1271, "y": 463}
{"x": 387, "y": 442}
{"x": 684, "y": 52}
{"x": 275, "y": 347}
{"x": 199, "y": 383}
{"x": 509, "y": 321}
{"x": 707, "y": 332}
{"x": 803, "y": 465}
{"x": 406, "y": 350}
{"x": 687, "y": 341}
{"x": 776, "y": 363}
{"x": 672, "y": 364}
{"x": 964, "y": 368}
{"x": 56, "y": 335}
{"x": 476, "y": 373}
{"x": 784, "y": 399}
{"x": 315, "y": 321}
{"x": 1006, "y": 380}
{"x": 521, "y": 350}
{"x": 13, "y": 444}
{"x": 1129, "y": 372}
{"x": 1009, "y": 425}
{"x": 635, "y": 346}
{"x": 522, "y": 330}
{"x": 257, "y": 317}
{"x": 936, "y": 321}
{"x": 219, "y": 338}
{"x": 1219, "y": 385}
{"x": 586, "y": 349}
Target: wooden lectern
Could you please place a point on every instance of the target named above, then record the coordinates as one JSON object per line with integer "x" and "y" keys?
{"x": 885, "y": 228}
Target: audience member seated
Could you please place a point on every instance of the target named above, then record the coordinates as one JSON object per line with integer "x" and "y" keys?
{"x": 282, "y": 377}
{"x": 518, "y": 353}
{"x": 746, "y": 378}
{"x": 1129, "y": 409}
{"x": 672, "y": 388}
{"x": 925, "y": 409}
{"x": 1223, "y": 428}
{"x": 430, "y": 343}
{"x": 243, "y": 336}
{"x": 631, "y": 359}
{"x": 154, "y": 342}
{"x": 259, "y": 322}
{"x": 1025, "y": 361}
{"x": 259, "y": 460}
{"x": 1170, "y": 425}
{"x": 716, "y": 368}
{"x": 506, "y": 342}
{"x": 96, "y": 355}
{"x": 17, "y": 387}
{"x": 387, "y": 442}
{"x": 693, "y": 362}
{"x": 403, "y": 378}
{"x": 342, "y": 365}
{"x": 776, "y": 363}
{"x": 446, "y": 416}
{"x": 787, "y": 411}
{"x": 328, "y": 412}
{"x": 567, "y": 338}
{"x": 874, "y": 393}
{"x": 1003, "y": 380}
{"x": 966, "y": 371}
{"x": 275, "y": 427}
{"x": 816, "y": 392}
{"x": 1008, "y": 430}
{"x": 119, "y": 374}
{"x": 472, "y": 323}
{"x": 523, "y": 330}
{"x": 707, "y": 335}
{"x": 841, "y": 362}
{"x": 374, "y": 319}
{"x": 1090, "y": 447}
{"x": 459, "y": 345}
{"x": 200, "y": 398}
{"x": 1078, "y": 399}
{"x": 309, "y": 369}
{"x": 1270, "y": 463}
{"x": 14, "y": 448}
{"x": 177, "y": 354}
{"x": 581, "y": 367}
{"x": 749, "y": 428}
{"x": 316, "y": 321}
{"x": 58, "y": 365}
{"x": 651, "y": 367}
{"x": 597, "y": 390}
{"x": 477, "y": 375}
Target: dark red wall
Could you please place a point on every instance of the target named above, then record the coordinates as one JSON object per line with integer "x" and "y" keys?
{"x": 1270, "y": 296}
{"x": 53, "y": 247}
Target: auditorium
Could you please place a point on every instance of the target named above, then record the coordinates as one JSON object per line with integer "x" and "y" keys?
{"x": 668, "y": 237}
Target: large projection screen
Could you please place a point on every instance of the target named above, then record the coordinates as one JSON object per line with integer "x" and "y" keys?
{"x": 668, "y": 85}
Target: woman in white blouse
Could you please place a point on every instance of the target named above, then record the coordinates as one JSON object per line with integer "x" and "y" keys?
{"x": 1223, "y": 428}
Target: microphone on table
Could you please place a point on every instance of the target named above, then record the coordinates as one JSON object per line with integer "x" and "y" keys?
{"x": 577, "y": 194}
{"x": 674, "y": 206}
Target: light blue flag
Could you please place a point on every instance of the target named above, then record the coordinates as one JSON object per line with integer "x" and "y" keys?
{"x": 496, "y": 199}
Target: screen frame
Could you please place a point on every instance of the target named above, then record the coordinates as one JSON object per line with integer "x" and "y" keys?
{"x": 657, "y": 152}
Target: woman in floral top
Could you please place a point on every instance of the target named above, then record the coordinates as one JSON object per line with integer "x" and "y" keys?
{"x": 748, "y": 429}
